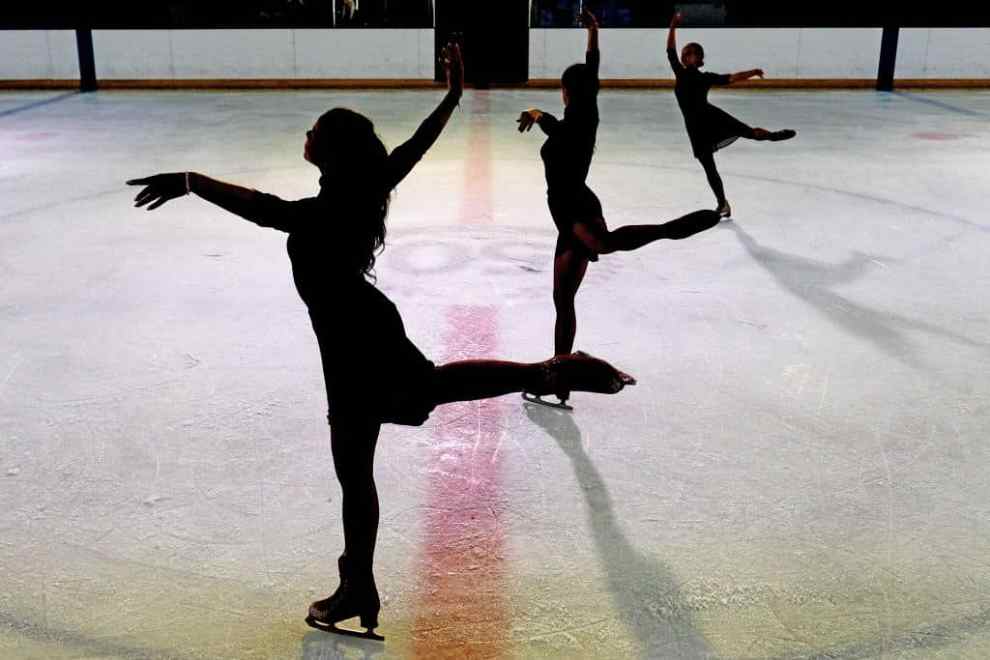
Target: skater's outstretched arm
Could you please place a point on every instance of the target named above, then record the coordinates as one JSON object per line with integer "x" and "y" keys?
{"x": 745, "y": 75}
{"x": 544, "y": 120}
{"x": 672, "y": 57}
{"x": 260, "y": 208}
{"x": 404, "y": 157}
{"x": 717, "y": 79}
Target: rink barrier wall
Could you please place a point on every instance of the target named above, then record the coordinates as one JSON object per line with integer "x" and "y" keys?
{"x": 400, "y": 58}
{"x": 272, "y": 83}
{"x": 38, "y": 55}
{"x": 782, "y": 53}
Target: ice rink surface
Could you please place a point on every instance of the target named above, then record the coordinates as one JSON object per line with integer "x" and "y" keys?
{"x": 801, "y": 472}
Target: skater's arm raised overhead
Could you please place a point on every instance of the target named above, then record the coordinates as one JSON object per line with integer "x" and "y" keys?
{"x": 260, "y": 208}
{"x": 592, "y": 58}
{"x": 745, "y": 75}
{"x": 672, "y": 57}
{"x": 404, "y": 157}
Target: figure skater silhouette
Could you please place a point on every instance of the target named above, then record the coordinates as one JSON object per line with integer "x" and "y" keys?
{"x": 374, "y": 374}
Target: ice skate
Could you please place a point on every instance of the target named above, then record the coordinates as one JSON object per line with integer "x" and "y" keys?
{"x": 778, "y": 136}
{"x": 577, "y": 371}
{"x": 355, "y": 597}
{"x": 560, "y": 404}
{"x": 724, "y": 210}
{"x": 369, "y": 633}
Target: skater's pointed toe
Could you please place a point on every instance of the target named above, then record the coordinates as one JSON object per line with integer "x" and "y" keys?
{"x": 622, "y": 380}
{"x": 615, "y": 379}
{"x": 785, "y": 134}
{"x": 319, "y": 612}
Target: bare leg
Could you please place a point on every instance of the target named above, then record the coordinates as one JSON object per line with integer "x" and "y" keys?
{"x": 353, "y": 444}
{"x": 468, "y": 380}
{"x": 714, "y": 180}
{"x": 569, "y": 269}
{"x": 633, "y": 237}
{"x": 480, "y": 379}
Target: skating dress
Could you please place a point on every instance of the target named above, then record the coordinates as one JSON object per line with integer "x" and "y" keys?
{"x": 566, "y": 156}
{"x": 708, "y": 127}
{"x": 371, "y": 368}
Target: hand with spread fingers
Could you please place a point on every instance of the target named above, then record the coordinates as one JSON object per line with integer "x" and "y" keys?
{"x": 160, "y": 188}
{"x": 527, "y": 118}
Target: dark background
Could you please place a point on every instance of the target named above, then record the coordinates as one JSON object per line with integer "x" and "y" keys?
{"x": 211, "y": 14}
{"x": 56, "y": 14}
{"x": 771, "y": 13}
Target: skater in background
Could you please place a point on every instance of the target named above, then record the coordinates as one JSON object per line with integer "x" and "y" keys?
{"x": 708, "y": 127}
{"x": 574, "y": 207}
{"x": 374, "y": 374}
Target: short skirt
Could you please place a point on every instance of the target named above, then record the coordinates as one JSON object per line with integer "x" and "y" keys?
{"x": 372, "y": 370}
{"x": 714, "y": 130}
{"x": 581, "y": 206}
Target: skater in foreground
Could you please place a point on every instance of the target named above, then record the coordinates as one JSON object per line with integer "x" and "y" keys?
{"x": 708, "y": 127}
{"x": 374, "y": 374}
{"x": 574, "y": 207}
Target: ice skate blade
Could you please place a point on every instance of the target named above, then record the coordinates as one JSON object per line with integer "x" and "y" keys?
{"x": 332, "y": 628}
{"x": 533, "y": 398}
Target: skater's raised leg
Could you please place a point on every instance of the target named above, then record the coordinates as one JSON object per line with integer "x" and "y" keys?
{"x": 632, "y": 237}
{"x": 467, "y": 380}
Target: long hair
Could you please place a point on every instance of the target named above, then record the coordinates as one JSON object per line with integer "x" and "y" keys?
{"x": 354, "y": 163}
